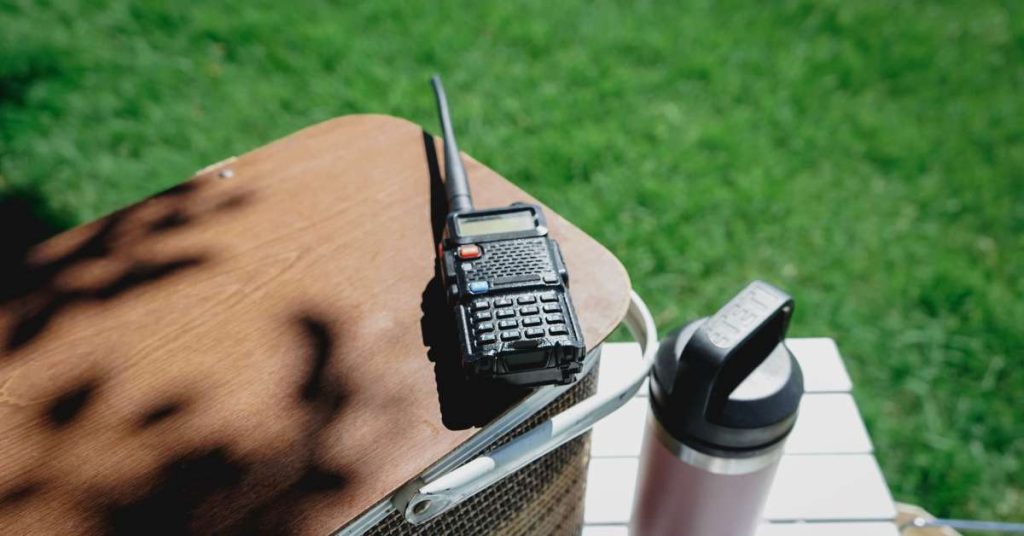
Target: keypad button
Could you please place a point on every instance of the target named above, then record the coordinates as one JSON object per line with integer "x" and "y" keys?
{"x": 469, "y": 251}
{"x": 486, "y": 338}
{"x": 479, "y": 305}
{"x": 535, "y": 332}
{"x": 507, "y": 324}
{"x": 510, "y": 335}
{"x": 528, "y": 310}
{"x": 557, "y": 330}
{"x": 551, "y": 279}
{"x": 505, "y": 313}
{"x": 548, "y": 297}
{"x": 482, "y": 315}
{"x": 502, "y": 302}
{"x": 527, "y": 299}
{"x": 532, "y": 321}
{"x": 485, "y": 326}
{"x": 551, "y": 308}
{"x": 478, "y": 287}
{"x": 554, "y": 319}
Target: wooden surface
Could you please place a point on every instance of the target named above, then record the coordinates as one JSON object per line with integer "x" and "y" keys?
{"x": 245, "y": 353}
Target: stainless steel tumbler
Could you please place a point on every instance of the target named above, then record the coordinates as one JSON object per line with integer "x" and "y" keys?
{"x": 724, "y": 396}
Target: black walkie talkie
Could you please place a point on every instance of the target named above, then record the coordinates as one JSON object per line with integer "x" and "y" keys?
{"x": 507, "y": 282}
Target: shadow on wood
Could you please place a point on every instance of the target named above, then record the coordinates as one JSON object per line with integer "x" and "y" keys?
{"x": 35, "y": 288}
{"x": 208, "y": 485}
{"x": 213, "y": 487}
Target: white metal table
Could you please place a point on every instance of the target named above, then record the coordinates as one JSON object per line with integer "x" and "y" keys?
{"x": 828, "y": 481}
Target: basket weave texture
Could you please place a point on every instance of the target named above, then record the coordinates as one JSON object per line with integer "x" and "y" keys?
{"x": 543, "y": 498}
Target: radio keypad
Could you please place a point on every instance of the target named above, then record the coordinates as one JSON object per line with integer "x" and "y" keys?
{"x": 519, "y": 318}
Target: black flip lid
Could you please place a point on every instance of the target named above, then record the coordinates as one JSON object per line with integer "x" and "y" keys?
{"x": 728, "y": 384}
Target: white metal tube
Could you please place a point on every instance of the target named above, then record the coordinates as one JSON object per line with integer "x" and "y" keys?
{"x": 448, "y": 490}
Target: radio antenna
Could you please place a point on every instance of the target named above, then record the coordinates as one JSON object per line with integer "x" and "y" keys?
{"x": 455, "y": 183}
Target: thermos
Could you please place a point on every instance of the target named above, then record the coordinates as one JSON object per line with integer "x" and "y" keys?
{"x": 724, "y": 394}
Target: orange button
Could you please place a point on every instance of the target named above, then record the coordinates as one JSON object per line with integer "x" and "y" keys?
{"x": 471, "y": 251}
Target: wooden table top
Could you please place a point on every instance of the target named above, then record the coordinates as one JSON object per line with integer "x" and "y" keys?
{"x": 256, "y": 350}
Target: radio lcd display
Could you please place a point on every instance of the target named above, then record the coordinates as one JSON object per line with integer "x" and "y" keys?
{"x": 509, "y": 222}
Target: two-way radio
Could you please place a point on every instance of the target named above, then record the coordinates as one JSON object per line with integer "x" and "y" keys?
{"x": 507, "y": 282}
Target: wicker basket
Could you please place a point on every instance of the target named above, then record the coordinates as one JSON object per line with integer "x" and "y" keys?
{"x": 545, "y": 497}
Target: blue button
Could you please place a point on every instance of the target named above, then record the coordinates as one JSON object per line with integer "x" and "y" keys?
{"x": 478, "y": 287}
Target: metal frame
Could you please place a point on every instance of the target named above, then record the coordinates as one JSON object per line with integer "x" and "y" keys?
{"x": 473, "y": 446}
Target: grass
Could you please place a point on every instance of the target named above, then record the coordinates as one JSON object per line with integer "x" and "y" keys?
{"x": 866, "y": 156}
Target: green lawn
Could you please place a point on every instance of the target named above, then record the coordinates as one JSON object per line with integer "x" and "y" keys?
{"x": 866, "y": 156}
